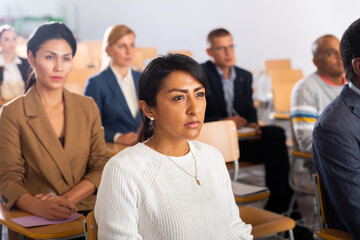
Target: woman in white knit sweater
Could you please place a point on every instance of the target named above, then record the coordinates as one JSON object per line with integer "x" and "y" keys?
{"x": 166, "y": 187}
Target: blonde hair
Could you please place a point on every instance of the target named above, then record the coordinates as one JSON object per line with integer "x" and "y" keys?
{"x": 117, "y": 32}
{"x": 111, "y": 35}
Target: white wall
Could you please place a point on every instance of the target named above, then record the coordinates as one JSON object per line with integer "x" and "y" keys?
{"x": 28, "y": 8}
{"x": 261, "y": 28}
{"x": 15, "y": 8}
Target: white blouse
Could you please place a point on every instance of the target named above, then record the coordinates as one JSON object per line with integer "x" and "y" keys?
{"x": 12, "y": 85}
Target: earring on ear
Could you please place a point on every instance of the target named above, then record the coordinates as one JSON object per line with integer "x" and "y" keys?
{"x": 151, "y": 119}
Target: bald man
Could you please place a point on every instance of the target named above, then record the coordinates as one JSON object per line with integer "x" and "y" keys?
{"x": 312, "y": 94}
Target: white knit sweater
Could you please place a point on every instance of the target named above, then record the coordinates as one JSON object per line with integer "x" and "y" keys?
{"x": 143, "y": 195}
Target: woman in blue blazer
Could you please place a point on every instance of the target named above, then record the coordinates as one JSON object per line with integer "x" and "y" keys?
{"x": 116, "y": 89}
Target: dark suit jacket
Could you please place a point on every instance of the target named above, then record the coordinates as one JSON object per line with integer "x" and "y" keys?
{"x": 336, "y": 155}
{"x": 115, "y": 113}
{"x": 216, "y": 105}
{"x": 32, "y": 158}
{"x": 24, "y": 68}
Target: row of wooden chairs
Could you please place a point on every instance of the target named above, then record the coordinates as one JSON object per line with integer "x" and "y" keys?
{"x": 283, "y": 79}
{"x": 89, "y": 59}
{"x": 90, "y": 54}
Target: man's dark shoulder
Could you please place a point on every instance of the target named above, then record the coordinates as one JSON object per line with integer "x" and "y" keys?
{"x": 211, "y": 73}
{"x": 208, "y": 66}
{"x": 210, "y": 69}
{"x": 240, "y": 72}
{"x": 335, "y": 113}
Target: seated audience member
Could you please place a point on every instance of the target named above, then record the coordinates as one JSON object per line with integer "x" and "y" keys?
{"x": 230, "y": 97}
{"x": 166, "y": 185}
{"x": 312, "y": 94}
{"x": 14, "y": 71}
{"x": 51, "y": 140}
{"x": 336, "y": 142}
{"x": 115, "y": 90}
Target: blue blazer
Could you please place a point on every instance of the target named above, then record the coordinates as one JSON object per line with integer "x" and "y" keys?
{"x": 216, "y": 105}
{"x": 115, "y": 113}
{"x": 336, "y": 155}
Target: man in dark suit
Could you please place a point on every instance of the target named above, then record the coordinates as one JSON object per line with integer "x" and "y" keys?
{"x": 230, "y": 97}
{"x": 336, "y": 142}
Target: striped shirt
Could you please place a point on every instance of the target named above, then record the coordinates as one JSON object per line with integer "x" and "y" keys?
{"x": 309, "y": 98}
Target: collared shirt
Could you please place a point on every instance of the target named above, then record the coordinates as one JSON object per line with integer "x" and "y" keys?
{"x": 12, "y": 85}
{"x": 127, "y": 86}
{"x": 354, "y": 88}
{"x": 330, "y": 83}
{"x": 228, "y": 88}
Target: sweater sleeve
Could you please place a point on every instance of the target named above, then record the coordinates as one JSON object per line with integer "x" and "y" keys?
{"x": 116, "y": 208}
{"x": 303, "y": 116}
{"x": 238, "y": 229}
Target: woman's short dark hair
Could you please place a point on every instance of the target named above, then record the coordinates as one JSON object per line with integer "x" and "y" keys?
{"x": 350, "y": 48}
{"x": 46, "y": 32}
{"x": 151, "y": 81}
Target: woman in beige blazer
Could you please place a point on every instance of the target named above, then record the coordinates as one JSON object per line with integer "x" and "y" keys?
{"x": 52, "y": 144}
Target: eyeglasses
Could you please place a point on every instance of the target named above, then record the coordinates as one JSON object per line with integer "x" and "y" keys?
{"x": 223, "y": 49}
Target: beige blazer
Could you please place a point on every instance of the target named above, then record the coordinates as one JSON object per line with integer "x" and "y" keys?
{"x": 32, "y": 158}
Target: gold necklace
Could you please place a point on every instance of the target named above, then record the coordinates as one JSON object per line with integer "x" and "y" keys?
{"x": 197, "y": 180}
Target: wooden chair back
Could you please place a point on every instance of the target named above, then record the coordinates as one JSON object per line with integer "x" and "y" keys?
{"x": 82, "y": 56}
{"x": 223, "y": 136}
{"x": 143, "y": 55}
{"x": 283, "y": 81}
{"x": 90, "y": 227}
{"x": 95, "y": 52}
{"x": 138, "y": 62}
{"x": 266, "y": 223}
{"x": 148, "y": 53}
{"x": 77, "y": 79}
{"x": 183, "y": 52}
{"x": 321, "y": 202}
{"x": 277, "y": 64}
